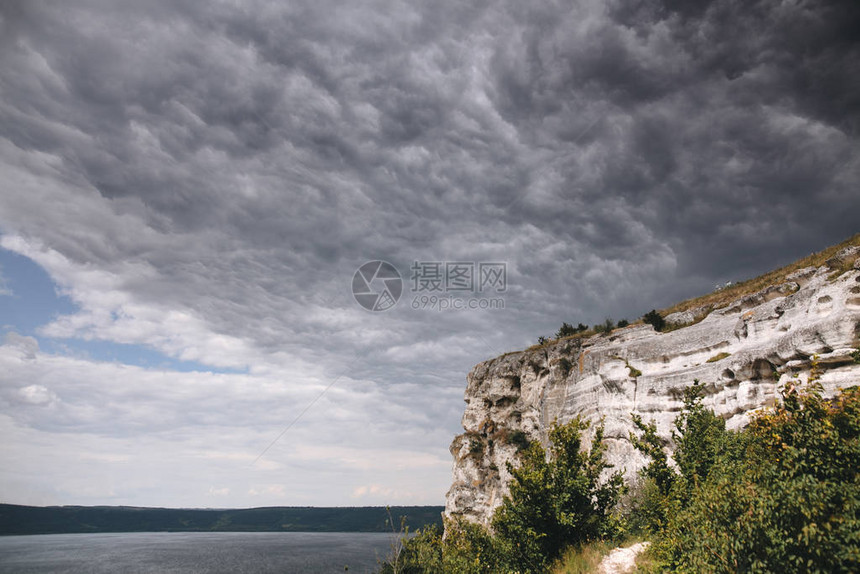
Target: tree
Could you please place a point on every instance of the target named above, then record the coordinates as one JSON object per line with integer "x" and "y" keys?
{"x": 605, "y": 327}
{"x": 699, "y": 437}
{"x": 782, "y": 495}
{"x": 556, "y": 499}
{"x": 654, "y": 319}
{"x": 566, "y": 330}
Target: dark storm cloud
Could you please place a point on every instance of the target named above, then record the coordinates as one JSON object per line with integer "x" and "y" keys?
{"x": 206, "y": 178}
{"x": 308, "y": 137}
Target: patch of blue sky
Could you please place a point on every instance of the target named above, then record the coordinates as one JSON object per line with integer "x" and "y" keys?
{"x": 30, "y": 300}
{"x": 138, "y": 355}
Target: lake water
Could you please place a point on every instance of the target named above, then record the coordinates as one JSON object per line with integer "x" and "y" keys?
{"x": 195, "y": 552}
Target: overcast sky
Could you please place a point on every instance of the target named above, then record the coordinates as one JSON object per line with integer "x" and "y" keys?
{"x": 188, "y": 188}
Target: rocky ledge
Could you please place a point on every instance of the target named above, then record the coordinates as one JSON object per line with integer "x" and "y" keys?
{"x": 742, "y": 353}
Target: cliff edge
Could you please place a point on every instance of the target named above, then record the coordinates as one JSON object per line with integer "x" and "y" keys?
{"x": 742, "y": 350}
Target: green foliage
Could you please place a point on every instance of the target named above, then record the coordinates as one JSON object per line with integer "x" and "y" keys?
{"x": 718, "y": 357}
{"x": 466, "y": 549}
{"x": 634, "y": 372}
{"x": 650, "y": 445}
{"x": 418, "y": 554}
{"x": 605, "y": 327}
{"x": 469, "y": 549}
{"x": 556, "y": 499}
{"x": 582, "y": 559}
{"x": 519, "y": 439}
{"x": 623, "y": 323}
{"x": 781, "y": 496}
{"x": 856, "y": 356}
{"x": 698, "y": 437}
{"x": 653, "y": 506}
{"x": 476, "y": 446}
{"x": 654, "y": 319}
{"x": 568, "y": 330}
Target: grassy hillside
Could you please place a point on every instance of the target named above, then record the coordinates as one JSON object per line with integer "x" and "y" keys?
{"x": 736, "y": 291}
{"x": 726, "y": 295}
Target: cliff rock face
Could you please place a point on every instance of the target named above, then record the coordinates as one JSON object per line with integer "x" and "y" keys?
{"x": 742, "y": 353}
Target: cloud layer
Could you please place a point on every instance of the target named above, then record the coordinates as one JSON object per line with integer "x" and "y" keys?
{"x": 205, "y": 180}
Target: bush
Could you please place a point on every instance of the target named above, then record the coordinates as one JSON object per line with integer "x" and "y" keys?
{"x": 567, "y": 330}
{"x": 605, "y": 327}
{"x": 469, "y": 549}
{"x": 476, "y": 446}
{"x": 419, "y": 554}
{"x": 699, "y": 437}
{"x": 781, "y": 496}
{"x": 623, "y": 323}
{"x": 519, "y": 439}
{"x": 556, "y": 499}
{"x": 654, "y": 319}
{"x": 466, "y": 549}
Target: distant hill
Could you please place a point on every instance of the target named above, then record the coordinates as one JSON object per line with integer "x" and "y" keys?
{"x": 16, "y": 519}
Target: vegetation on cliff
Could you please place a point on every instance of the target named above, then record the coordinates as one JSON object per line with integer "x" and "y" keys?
{"x": 838, "y": 258}
{"x": 782, "y": 495}
{"x": 556, "y": 500}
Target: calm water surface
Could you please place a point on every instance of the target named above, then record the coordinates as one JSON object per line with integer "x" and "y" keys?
{"x": 194, "y": 552}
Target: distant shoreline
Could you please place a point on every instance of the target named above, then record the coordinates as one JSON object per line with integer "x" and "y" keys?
{"x": 22, "y": 520}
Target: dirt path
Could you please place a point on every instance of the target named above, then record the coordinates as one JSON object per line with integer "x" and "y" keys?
{"x": 621, "y": 560}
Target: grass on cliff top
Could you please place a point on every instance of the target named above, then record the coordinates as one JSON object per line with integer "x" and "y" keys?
{"x": 727, "y": 295}
{"x": 736, "y": 291}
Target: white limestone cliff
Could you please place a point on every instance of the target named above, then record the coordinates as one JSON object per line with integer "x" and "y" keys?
{"x": 742, "y": 353}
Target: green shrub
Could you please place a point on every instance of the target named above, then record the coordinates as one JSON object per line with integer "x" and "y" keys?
{"x": 469, "y": 549}
{"x": 466, "y": 549}
{"x": 654, "y": 319}
{"x": 699, "y": 437}
{"x": 556, "y": 499}
{"x": 623, "y": 323}
{"x": 781, "y": 496}
{"x": 420, "y": 554}
{"x": 476, "y": 447}
{"x": 519, "y": 439}
{"x": 605, "y": 327}
{"x": 568, "y": 330}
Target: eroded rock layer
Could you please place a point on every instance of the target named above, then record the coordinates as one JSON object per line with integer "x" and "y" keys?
{"x": 742, "y": 353}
